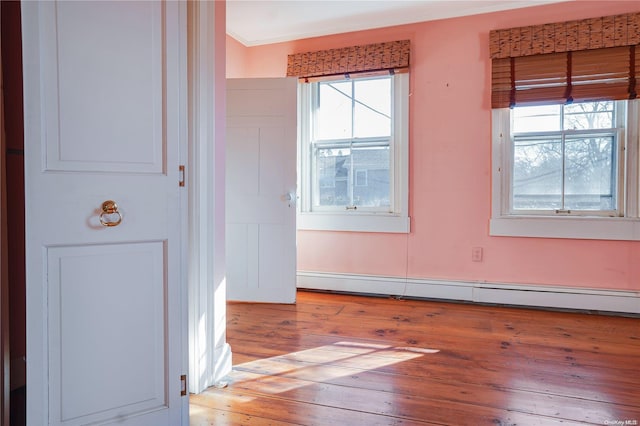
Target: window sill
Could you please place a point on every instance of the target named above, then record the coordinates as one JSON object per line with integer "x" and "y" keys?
{"x": 354, "y": 222}
{"x": 589, "y": 228}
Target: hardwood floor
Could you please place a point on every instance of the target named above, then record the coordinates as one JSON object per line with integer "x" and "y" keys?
{"x": 349, "y": 360}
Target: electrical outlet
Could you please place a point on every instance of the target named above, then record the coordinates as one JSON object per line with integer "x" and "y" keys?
{"x": 476, "y": 254}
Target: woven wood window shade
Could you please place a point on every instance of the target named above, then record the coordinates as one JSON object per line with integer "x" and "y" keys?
{"x": 587, "y": 60}
{"x": 392, "y": 56}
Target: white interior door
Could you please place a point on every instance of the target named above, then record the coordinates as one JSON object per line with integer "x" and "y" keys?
{"x": 102, "y": 122}
{"x": 261, "y": 190}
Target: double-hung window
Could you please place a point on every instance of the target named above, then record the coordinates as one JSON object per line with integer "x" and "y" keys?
{"x": 350, "y": 141}
{"x": 567, "y": 171}
{"x": 567, "y": 159}
{"x": 565, "y": 132}
{"x": 354, "y": 153}
{"x": 353, "y": 106}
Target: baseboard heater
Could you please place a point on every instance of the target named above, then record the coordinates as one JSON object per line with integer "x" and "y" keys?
{"x": 535, "y": 296}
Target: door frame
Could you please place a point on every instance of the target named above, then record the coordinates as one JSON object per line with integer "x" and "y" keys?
{"x": 209, "y": 353}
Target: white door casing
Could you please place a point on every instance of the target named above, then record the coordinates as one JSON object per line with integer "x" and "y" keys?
{"x": 261, "y": 190}
{"x": 102, "y": 98}
{"x": 209, "y": 353}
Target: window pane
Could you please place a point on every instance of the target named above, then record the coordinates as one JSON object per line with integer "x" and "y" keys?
{"x": 372, "y": 115}
{"x": 589, "y": 173}
{"x": 542, "y": 118}
{"x": 370, "y": 186}
{"x": 332, "y": 171}
{"x": 371, "y": 167}
{"x": 333, "y": 117}
{"x": 589, "y": 115}
{"x": 537, "y": 174}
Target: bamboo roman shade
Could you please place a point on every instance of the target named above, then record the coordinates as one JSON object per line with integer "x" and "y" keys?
{"x": 392, "y": 55}
{"x": 585, "y": 60}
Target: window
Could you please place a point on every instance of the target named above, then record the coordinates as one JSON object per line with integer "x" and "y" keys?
{"x": 354, "y": 154}
{"x": 565, "y": 129}
{"x": 566, "y": 170}
{"x": 566, "y": 159}
{"x": 351, "y": 136}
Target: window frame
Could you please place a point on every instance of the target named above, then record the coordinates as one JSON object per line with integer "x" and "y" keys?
{"x": 393, "y": 220}
{"x": 582, "y": 225}
{"x": 618, "y": 131}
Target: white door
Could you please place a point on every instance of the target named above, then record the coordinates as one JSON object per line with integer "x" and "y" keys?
{"x": 261, "y": 190}
{"x": 102, "y": 122}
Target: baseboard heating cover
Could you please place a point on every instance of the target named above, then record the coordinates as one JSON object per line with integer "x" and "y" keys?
{"x": 544, "y": 296}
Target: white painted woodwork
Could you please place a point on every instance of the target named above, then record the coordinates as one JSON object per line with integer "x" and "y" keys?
{"x": 103, "y": 111}
{"x": 482, "y": 292}
{"x": 93, "y": 352}
{"x": 209, "y": 353}
{"x": 261, "y": 177}
{"x": 89, "y": 102}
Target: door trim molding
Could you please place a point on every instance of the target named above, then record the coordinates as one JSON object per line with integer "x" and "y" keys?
{"x": 557, "y": 297}
{"x": 209, "y": 353}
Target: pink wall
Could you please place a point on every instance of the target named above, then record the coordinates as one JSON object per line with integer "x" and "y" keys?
{"x": 450, "y": 165}
{"x": 238, "y": 66}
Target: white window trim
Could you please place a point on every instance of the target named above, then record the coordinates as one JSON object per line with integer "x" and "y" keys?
{"x": 397, "y": 221}
{"x": 572, "y": 227}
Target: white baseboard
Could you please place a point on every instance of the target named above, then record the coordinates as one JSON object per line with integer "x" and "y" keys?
{"x": 481, "y": 292}
{"x": 221, "y": 367}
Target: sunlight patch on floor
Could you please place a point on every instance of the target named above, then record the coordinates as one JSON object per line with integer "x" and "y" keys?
{"x": 288, "y": 372}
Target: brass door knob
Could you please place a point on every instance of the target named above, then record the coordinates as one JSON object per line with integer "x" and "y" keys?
{"x": 110, "y": 215}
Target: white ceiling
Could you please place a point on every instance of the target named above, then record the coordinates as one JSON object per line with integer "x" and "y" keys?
{"x": 257, "y": 22}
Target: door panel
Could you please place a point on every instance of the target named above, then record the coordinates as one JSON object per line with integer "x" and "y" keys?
{"x": 242, "y": 241}
{"x": 91, "y": 103}
{"x": 261, "y": 175}
{"x": 243, "y": 161}
{"x": 102, "y": 122}
{"x": 91, "y": 345}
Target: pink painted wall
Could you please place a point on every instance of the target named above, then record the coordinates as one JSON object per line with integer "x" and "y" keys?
{"x": 450, "y": 164}
{"x": 238, "y": 54}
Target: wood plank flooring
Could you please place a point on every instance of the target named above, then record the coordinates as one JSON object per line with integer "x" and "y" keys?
{"x": 349, "y": 360}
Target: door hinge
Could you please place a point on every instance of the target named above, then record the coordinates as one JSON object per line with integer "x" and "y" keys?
{"x": 181, "y": 175}
{"x": 183, "y": 385}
